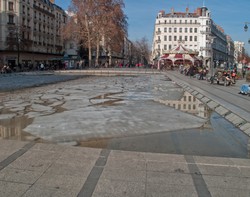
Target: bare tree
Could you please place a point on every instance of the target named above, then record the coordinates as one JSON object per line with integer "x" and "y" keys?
{"x": 94, "y": 21}
{"x": 141, "y": 51}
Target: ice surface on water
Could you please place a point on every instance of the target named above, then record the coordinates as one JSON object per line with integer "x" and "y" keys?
{"x": 104, "y": 106}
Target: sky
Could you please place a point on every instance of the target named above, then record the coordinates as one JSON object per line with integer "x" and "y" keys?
{"x": 231, "y": 15}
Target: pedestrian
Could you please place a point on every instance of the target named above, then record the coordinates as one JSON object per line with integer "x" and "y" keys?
{"x": 233, "y": 75}
{"x": 243, "y": 72}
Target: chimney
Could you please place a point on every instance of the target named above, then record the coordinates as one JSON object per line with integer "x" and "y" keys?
{"x": 198, "y": 11}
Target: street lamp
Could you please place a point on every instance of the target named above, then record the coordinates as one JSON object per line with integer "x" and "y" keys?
{"x": 245, "y": 26}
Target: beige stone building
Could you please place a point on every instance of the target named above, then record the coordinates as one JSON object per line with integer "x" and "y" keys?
{"x": 30, "y": 32}
{"x": 195, "y": 30}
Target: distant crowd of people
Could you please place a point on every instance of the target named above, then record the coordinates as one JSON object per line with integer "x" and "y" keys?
{"x": 228, "y": 76}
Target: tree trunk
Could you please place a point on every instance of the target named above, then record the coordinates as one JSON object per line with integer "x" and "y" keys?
{"x": 97, "y": 53}
{"x": 89, "y": 40}
{"x": 110, "y": 56}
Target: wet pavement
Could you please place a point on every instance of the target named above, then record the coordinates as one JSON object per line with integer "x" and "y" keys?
{"x": 145, "y": 141}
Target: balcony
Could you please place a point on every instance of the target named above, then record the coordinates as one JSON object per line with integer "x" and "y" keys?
{"x": 158, "y": 32}
{"x": 205, "y": 48}
{"x": 158, "y": 41}
{"x": 205, "y": 32}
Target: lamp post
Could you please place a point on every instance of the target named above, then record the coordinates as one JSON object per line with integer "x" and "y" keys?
{"x": 18, "y": 50}
{"x": 246, "y": 28}
{"x": 211, "y": 38}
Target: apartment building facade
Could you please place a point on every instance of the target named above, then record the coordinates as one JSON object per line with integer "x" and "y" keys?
{"x": 239, "y": 51}
{"x": 195, "y": 30}
{"x": 30, "y": 32}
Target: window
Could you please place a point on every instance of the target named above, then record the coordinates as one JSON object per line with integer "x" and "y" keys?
{"x": 175, "y": 38}
{"x": 170, "y": 47}
{"x": 180, "y": 38}
{"x": 11, "y": 19}
{"x": 195, "y": 38}
{"x": 165, "y": 29}
{"x": 11, "y": 6}
{"x": 165, "y": 47}
{"x": 170, "y": 30}
{"x": 195, "y": 30}
{"x": 186, "y": 38}
{"x": 191, "y": 38}
{"x": 180, "y": 30}
{"x": 165, "y": 38}
{"x": 175, "y": 30}
{"x": 186, "y": 30}
{"x": 191, "y": 30}
{"x": 169, "y": 38}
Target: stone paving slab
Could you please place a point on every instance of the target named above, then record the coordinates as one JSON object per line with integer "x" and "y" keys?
{"x": 212, "y": 104}
{"x": 245, "y": 126}
{"x": 221, "y": 110}
{"x": 199, "y": 96}
{"x": 194, "y": 93}
{"x": 12, "y": 189}
{"x": 247, "y": 131}
{"x": 205, "y": 99}
{"x": 60, "y": 170}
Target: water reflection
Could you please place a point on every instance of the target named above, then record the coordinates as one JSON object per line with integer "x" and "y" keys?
{"x": 13, "y": 128}
{"x": 190, "y": 104}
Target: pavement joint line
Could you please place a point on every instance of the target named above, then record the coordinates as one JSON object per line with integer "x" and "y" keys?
{"x": 16, "y": 155}
{"x": 199, "y": 182}
{"x": 96, "y": 172}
